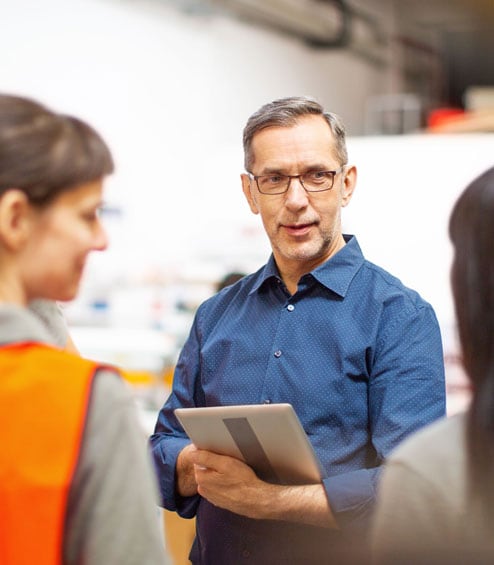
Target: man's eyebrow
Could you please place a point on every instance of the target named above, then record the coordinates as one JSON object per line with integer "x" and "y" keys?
{"x": 271, "y": 170}
{"x": 281, "y": 170}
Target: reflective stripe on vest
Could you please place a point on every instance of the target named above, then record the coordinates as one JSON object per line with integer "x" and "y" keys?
{"x": 44, "y": 394}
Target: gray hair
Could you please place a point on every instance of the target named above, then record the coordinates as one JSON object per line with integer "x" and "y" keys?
{"x": 44, "y": 153}
{"x": 285, "y": 112}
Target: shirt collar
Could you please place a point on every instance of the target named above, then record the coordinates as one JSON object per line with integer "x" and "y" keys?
{"x": 335, "y": 274}
{"x": 268, "y": 272}
{"x": 19, "y": 324}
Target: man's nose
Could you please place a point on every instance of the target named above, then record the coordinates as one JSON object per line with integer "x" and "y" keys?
{"x": 296, "y": 193}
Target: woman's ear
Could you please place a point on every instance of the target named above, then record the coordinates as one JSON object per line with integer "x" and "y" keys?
{"x": 15, "y": 218}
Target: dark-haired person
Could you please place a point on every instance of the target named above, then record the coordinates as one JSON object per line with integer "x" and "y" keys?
{"x": 356, "y": 353}
{"x": 228, "y": 279}
{"x": 76, "y": 483}
{"x": 436, "y": 501}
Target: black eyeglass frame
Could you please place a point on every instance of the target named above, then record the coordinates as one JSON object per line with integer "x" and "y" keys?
{"x": 290, "y": 177}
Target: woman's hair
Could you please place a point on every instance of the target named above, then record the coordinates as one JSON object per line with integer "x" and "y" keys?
{"x": 285, "y": 112}
{"x": 471, "y": 231}
{"x": 44, "y": 153}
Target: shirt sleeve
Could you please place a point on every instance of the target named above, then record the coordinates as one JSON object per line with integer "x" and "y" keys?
{"x": 410, "y": 536}
{"x": 422, "y": 514}
{"x": 169, "y": 437}
{"x": 113, "y": 513}
{"x": 406, "y": 391}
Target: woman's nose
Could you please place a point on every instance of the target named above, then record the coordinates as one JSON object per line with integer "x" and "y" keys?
{"x": 100, "y": 242}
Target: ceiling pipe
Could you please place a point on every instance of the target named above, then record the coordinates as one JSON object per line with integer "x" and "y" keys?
{"x": 318, "y": 22}
{"x": 342, "y": 38}
{"x": 321, "y": 24}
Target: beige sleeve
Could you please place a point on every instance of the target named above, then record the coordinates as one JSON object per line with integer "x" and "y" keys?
{"x": 113, "y": 514}
{"x": 411, "y": 519}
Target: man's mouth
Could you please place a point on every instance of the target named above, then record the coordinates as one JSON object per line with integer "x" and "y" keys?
{"x": 297, "y": 229}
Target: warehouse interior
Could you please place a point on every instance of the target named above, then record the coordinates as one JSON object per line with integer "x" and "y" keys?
{"x": 170, "y": 84}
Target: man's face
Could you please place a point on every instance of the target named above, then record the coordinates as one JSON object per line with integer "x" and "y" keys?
{"x": 304, "y": 228}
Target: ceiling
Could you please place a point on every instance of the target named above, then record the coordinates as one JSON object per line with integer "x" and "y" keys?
{"x": 459, "y": 34}
{"x": 464, "y": 34}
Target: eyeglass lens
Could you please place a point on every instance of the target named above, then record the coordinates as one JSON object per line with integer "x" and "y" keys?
{"x": 313, "y": 181}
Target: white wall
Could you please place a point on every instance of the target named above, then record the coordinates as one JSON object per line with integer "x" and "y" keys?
{"x": 171, "y": 93}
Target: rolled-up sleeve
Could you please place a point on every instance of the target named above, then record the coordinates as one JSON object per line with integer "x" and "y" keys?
{"x": 169, "y": 438}
{"x": 406, "y": 392}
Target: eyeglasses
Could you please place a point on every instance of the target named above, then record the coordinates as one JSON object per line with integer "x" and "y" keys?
{"x": 312, "y": 181}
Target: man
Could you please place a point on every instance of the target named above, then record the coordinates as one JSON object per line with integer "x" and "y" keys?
{"x": 356, "y": 353}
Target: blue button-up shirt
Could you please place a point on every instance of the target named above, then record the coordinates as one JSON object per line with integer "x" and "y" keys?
{"x": 356, "y": 353}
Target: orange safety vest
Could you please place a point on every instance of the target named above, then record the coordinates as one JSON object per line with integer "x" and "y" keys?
{"x": 44, "y": 395}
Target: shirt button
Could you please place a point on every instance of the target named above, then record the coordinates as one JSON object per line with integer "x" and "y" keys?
{"x": 277, "y": 353}
{"x": 246, "y": 553}
{"x": 290, "y": 307}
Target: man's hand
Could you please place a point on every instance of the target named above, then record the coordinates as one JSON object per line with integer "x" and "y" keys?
{"x": 186, "y": 483}
{"x": 229, "y": 483}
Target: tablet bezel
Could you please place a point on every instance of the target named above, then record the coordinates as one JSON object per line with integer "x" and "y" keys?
{"x": 268, "y": 437}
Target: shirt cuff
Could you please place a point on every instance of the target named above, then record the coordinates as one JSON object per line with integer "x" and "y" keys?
{"x": 352, "y": 497}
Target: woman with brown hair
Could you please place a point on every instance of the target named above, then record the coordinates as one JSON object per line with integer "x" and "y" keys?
{"x": 436, "y": 501}
{"x": 75, "y": 482}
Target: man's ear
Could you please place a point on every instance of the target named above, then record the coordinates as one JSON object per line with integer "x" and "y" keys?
{"x": 348, "y": 186}
{"x": 15, "y": 218}
{"x": 247, "y": 189}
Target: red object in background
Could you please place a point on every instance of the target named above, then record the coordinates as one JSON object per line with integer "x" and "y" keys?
{"x": 442, "y": 116}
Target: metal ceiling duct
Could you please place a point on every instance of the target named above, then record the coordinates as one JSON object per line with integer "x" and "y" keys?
{"x": 319, "y": 22}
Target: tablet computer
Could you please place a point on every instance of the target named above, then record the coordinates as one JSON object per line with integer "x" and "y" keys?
{"x": 268, "y": 437}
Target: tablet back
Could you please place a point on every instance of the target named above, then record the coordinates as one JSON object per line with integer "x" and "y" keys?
{"x": 268, "y": 437}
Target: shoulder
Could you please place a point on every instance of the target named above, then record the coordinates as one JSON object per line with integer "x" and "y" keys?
{"x": 232, "y": 296}
{"x": 441, "y": 443}
{"x": 391, "y": 287}
{"x": 109, "y": 391}
{"x": 379, "y": 284}
{"x": 399, "y": 307}
{"x": 50, "y": 314}
{"x": 385, "y": 285}
{"x": 422, "y": 496}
